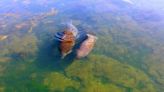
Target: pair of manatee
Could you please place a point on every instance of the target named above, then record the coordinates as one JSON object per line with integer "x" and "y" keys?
{"x": 70, "y": 36}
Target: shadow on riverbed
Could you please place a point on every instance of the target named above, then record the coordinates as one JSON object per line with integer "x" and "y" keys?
{"x": 49, "y": 56}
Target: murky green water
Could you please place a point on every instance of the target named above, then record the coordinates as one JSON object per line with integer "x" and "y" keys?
{"x": 127, "y": 57}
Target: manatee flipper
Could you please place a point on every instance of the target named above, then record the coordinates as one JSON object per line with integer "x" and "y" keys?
{"x": 65, "y": 54}
{"x": 69, "y": 52}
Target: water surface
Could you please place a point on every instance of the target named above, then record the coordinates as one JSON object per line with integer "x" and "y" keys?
{"x": 127, "y": 57}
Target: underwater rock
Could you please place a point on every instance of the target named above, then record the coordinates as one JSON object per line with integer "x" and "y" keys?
{"x": 67, "y": 43}
{"x": 87, "y": 46}
{"x": 3, "y": 37}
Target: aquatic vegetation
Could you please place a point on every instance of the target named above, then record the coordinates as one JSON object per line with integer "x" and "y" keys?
{"x": 21, "y": 77}
{"x": 129, "y": 51}
{"x": 5, "y": 59}
{"x": 58, "y": 82}
{"x": 2, "y": 69}
{"x": 23, "y": 46}
{"x": 1, "y": 89}
{"x": 101, "y": 74}
{"x": 154, "y": 63}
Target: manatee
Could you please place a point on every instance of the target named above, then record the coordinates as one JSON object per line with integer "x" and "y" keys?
{"x": 67, "y": 43}
{"x": 68, "y": 37}
{"x": 86, "y": 46}
{"x": 70, "y": 27}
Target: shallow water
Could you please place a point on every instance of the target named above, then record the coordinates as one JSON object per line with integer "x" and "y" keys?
{"x": 127, "y": 57}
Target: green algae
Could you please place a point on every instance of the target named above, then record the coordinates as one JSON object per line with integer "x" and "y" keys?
{"x": 127, "y": 42}
{"x": 57, "y": 81}
{"x": 87, "y": 76}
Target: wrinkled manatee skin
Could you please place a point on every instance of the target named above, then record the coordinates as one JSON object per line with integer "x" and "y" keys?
{"x": 87, "y": 46}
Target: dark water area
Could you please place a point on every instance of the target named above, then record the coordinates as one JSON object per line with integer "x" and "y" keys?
{"x": 127, "y": 56}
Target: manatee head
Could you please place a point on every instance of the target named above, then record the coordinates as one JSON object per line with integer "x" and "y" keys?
{"x": 68, "y": 26}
